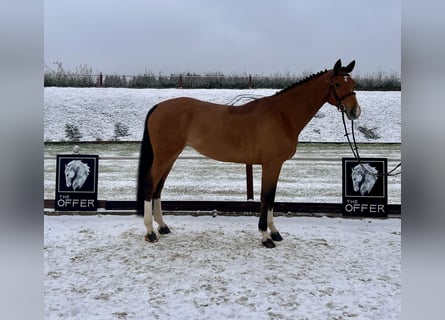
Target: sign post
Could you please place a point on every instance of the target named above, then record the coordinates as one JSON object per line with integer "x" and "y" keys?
{"x": 76, "y": 182}
{"x": 365, "y": 187}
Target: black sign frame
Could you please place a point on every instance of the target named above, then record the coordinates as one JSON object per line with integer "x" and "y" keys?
{"x": 365, "y": 187}
{"x": 80, "y": 194}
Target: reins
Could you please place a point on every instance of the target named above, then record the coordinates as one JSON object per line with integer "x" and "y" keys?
{"x": 353, "y": 144}
{"x": 341, "y": 108}
{"x": 354, "y": 149}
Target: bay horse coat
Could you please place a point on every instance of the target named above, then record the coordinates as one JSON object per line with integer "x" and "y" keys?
{"x": 263, "y": 131}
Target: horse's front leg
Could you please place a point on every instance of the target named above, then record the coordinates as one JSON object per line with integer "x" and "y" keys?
{"x": 268, "y": 189}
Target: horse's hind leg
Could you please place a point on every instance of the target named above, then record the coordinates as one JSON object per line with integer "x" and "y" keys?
{"x": 148, "y": 221}
{"x": 153, "y": 209}
{"x": 151, "y": 202}
{"x": 157, "y": 208}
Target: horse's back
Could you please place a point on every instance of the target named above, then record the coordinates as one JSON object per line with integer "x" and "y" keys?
{"x": 176, "y": 117}
{"x": 226, "y": 133}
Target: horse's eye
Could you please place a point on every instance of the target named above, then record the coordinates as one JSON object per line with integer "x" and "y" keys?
{"x": 337, "y": 84}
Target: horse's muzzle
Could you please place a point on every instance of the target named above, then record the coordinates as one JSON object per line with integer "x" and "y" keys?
{"x": 354, "y": 113}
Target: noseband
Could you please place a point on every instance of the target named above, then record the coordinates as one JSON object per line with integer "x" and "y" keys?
{"x": 338, "y": 100}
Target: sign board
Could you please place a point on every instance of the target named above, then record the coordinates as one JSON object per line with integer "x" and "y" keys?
{"x": 76, "y": 182}
{"x": 365, "y": 189}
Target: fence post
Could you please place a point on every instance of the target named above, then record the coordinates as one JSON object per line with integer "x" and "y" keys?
{"x": 100, "y": 80}
{"x": 250, "y": 81}
{"x": 249, "y": 181}
{"x": 181, "y": 83}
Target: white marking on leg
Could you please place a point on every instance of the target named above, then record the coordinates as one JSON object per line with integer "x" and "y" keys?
{"x": 270, "y": 223}
{"x": 157, "y": 212}
{"x": 148, "y": 216}
{"x": 265, "y": 235}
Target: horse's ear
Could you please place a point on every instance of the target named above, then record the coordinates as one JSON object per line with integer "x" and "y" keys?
{"x": 337, "y": 66}
{"x": 350, "y": 67}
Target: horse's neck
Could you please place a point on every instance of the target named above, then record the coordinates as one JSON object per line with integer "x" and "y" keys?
{"x": 81, "y": 170}
{"x": 300, "y": 104}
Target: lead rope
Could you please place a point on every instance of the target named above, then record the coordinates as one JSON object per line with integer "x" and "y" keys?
{"x": 354, "y": 149}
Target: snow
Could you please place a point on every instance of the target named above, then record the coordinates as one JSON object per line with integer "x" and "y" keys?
{"x": 99, "y": 267}
{"x": 96, "y": 111}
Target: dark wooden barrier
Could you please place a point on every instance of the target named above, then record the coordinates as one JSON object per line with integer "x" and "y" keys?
{"x": 253, "y": 207}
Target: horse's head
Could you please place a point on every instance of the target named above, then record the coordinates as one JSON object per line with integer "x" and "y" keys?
{"x": 341, "y": 90}
{"x": 69, "y": 173}
{"x": 357, "y": 176}
{"x": 76, "y": 172}
{"x": 363, "y": 178}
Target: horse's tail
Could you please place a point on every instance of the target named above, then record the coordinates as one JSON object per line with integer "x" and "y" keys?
{"x": 145, "y": 163}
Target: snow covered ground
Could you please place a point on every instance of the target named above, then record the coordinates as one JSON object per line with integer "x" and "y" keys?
{"x": 96, "y": 111}
{"x": 99, "y": 267}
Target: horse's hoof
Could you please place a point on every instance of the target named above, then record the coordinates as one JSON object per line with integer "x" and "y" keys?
{"x": 276, "y": 236}
{"x": 164, "y": 230}
{"x": 268, "y": 243}
{"x": 151, "y": 237}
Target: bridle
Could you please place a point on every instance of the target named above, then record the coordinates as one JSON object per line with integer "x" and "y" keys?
{"x": 353, "y": 144}
{"x": 338, "y": 99}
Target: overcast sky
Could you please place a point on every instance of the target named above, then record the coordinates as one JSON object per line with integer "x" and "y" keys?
{"x": 229, "y": 36}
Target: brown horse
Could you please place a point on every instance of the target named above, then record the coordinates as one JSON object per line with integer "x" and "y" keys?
{"x": 264, "y": 131}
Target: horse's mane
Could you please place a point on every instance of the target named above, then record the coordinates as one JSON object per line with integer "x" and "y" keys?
{"x": 77, "y": 164}
{"x": 304, "y": 80}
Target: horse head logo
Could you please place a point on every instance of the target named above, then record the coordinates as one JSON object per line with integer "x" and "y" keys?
{"x": 363, "y": 178}
{"x": 76, "y": 172}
